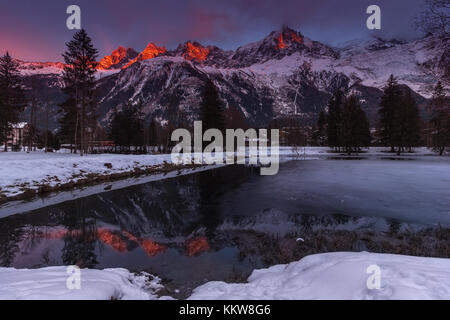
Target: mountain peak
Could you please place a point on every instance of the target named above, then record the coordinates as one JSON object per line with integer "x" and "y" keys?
{"x": 277, "y": 45}
{"x": 285, "y": 38}
{"x": 117, "y": 59}
{"x": 151, "y": 51}
{"x": 193, "y": 51}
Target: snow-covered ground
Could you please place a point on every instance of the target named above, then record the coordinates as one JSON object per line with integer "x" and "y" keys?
{"x": 51, "y": 284}
{"x": 342, "y": 276}
{"x": 324, "y": 276}
{"x": 20, "y": 170}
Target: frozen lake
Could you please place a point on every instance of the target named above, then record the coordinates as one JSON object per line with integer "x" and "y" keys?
{"x": 407, "y": 190}
{"x": 223, "y": 223}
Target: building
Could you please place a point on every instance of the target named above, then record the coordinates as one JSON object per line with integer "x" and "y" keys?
{"x": 17, "y": 135}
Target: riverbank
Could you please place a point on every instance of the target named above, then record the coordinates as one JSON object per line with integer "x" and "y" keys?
{"x": 25, "y": 175}
{"x": 326, "y": 276}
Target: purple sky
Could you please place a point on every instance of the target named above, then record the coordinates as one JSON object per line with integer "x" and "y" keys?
{"x": 36, "y": 29}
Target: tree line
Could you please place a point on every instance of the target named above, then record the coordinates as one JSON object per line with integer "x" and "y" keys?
{"x": 345, "y": 127}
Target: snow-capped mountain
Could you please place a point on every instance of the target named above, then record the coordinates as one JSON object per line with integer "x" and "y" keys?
{"x": 118, "y": 58}
{"x": 416, "y": 64}
{"x": 283, "y": 75}
{"x": 150, "y": 52}
{"x": 197, "y": 53}
{"x": 277, "y": 45}
{"x": 33, "y": 68}
{"x": 358, "y": 46}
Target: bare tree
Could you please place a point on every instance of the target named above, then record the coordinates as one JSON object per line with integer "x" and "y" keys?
{"x": 302, "y": 76}
{"x": 435, "y": 18}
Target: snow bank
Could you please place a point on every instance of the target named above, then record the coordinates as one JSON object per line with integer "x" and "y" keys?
{"x": 340, "y": 276}
{"x": 20, "y": 170}
{"x": 322, "y": 276}
{"x": 50, "y": 284}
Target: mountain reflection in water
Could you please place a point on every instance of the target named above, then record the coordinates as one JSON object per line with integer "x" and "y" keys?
{"x": 192, "y": 229}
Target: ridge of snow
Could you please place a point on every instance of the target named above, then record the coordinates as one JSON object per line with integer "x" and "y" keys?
{"x": 51, "y": 284}
{"x": 326, "y": 276}
{"x": 339, "y": 276}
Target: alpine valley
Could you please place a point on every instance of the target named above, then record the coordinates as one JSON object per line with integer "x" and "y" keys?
{"x": 285, "y": 75}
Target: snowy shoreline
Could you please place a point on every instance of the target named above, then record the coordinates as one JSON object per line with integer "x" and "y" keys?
{"x": 14, "y": 207}
{"x": 328, "y": 276}
{"x": 25, "y": 175}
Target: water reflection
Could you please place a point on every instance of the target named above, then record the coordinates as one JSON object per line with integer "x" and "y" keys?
{"x": 212, "y": 225}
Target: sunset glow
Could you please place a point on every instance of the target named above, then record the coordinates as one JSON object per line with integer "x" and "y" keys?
{"x": 150, "y": 52}
{"x": 195, "y": 52}
{"x": 197, "y": 245}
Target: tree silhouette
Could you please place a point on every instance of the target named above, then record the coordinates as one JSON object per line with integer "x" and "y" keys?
{"x": 12, "y": 96}
{"x": 79, "y": 85}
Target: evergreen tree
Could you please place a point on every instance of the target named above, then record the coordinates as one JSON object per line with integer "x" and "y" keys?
{"x": 410, "y": 123}
{"x": 12, "y": 96}
{"x": 49, "y": 139}
{"x": 79, "y": 85}
{"x": 235, "y": 119}
{"x": 388, "y": 113}
{"x": 3, "y": 127}
{"x": 322, "y": 121}
{"x": 211, "y": 111}
{"x": 319, "y": 130}
{"x": 153, "y": 132}
{"x": 440, "y": 119}
{"x": 69, "y": 122}
{"x": 355, "y": 132}
{"x": 127, "y": 127}
{"x": 173, "y": 121}
{"x": 334, "y": 120}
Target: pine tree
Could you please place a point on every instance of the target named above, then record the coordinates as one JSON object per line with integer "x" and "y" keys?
{"x": 12, "y": 96}
{"x": 69, "y": 122}
{"x": 355, "y": 132}
{"x": 440, "y": 119}
{"x": 410, "y": 124}
{"x": 334, "y": 120}
{"x": 79, "y": 86}
{"x": 173, "y": 120}
{"x": 211, "y": 112}
{"x": 319, "y": 130}
{"x": 3, "y": 127}
{"x": 388, "y": 113}
{"x": 127, "y": 127}
{"x": 153, "y": 132}
{"x": 235, "y": 119}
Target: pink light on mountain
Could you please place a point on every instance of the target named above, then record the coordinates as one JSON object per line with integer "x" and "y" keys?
{"x": 150, "y": 52}
{"x": 116, "y": 57}
{"x": 195, "y": 52}
{"x": 286, "y": 38}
